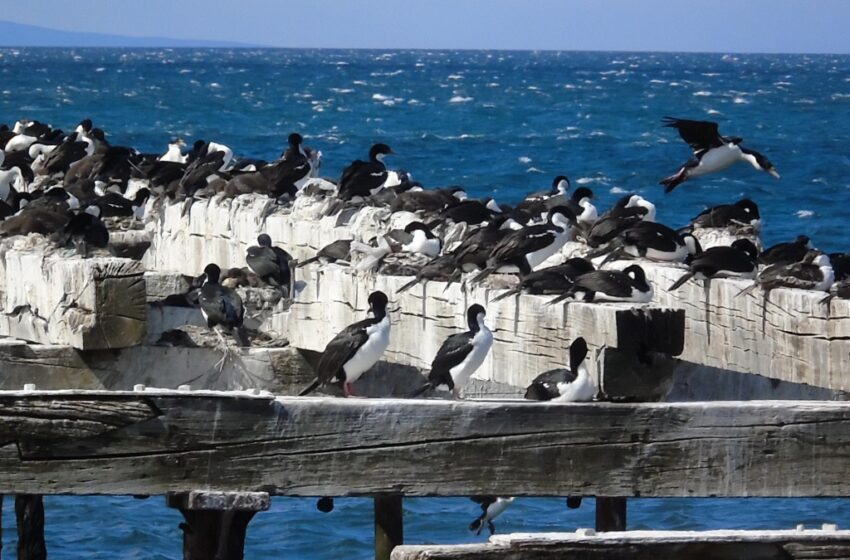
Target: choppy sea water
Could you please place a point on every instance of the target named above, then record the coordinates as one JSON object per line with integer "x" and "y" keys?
{"x": 498, "y": 123}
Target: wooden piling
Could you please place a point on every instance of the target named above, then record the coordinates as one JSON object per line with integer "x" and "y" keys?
{"x": 610, "y": 514}
{"x": 389, "y": 525}
{"x": 29, "y": 514}
{"x": 216, "y": 522}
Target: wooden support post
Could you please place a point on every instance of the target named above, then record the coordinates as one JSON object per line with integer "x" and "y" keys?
{"x": 29, "y": 513}
{"x": 610, "y": 514}
{"x": 216, "y": 522}
{"x": 389, "y": 525}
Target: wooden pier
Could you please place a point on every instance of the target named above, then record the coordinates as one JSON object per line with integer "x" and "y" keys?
{"x": 216, "y": 454}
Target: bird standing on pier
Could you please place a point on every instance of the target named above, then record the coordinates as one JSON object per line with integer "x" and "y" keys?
{"x": 355, "y": 349}
{"x": 712, "y": 152}
{"x": 363, "y": 178}
{"x": 270, "y": 264}
{"x": 491, "y": 508}
{"x": 460, "y": 355}
{"x": 221, "y": 307}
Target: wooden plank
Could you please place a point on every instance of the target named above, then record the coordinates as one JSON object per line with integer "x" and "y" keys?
{"x": 93, "y": 303}
{"x": 51, "y": 367}
{"x": 641, "y": 545}
{"x": 307, "y": 446}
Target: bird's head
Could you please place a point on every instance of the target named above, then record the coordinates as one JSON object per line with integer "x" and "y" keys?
{"x": 211, "y": 273}
{"x": 746, "y": 246}
{"x": 561, "y": 184}
{"x": 578, "y": 351}
{"x": 475, "y": 316}
{"x": 378, "y": 303}
{"x": 263, "y": 240}
{"x": 379, "y": 152}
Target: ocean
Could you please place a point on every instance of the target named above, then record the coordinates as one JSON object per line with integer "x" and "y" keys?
{"x": 498, "y": 123}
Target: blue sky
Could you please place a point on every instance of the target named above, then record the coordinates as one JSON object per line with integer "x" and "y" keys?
{"x": 665, "y": 25}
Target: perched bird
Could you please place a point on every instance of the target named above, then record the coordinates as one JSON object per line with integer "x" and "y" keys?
{"x": 363, "y": 178}
{"x": 355, "y": 349}
{"x": 567, "y": 385}
{"x": 551, "y": 280}
{"x": 735, "y": 261}
{"x": 491, "y": 508}
{"x": 270, "y": 264}
{"x": 439, "y": 268}
{"x": 786, "y": 253}
{"x": 712, "y": 152}
{"x": 628, "y": 211}
{"x": 418, "y": 238}
{"x": 841, "y": 265}
{"x": 174, "y": 154}
{"x": 744, "y": 213}
{"x": 649, "y": 240}
{"x": 460, "y": 355}
{"x": 338, "y": 251}
{"x": 86, "y": 229}
{"x": 813, "y": 273}
{"x": 221, "y": 307}
{"x": 840, "y": 289}
{"x": 627, "y": 285}
{"x": 527, "y": 248}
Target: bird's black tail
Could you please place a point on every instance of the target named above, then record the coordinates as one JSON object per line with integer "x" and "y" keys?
{"x": 240, "y": 335}
{"x": 478, "y": 525}
{"x": 673, "y": 181}
{"x": 684, "y": 278}
{"x": 420, "y": 390}
{"x": 310, "y": 388}
{"x": 453, "y": 278}
{"x": 408, "y": 285}
{"x": 481, "y": 276}
{"x": 509, "y": 293}
{"x": 308, "y": 261}
{"x": 561, "y": 298}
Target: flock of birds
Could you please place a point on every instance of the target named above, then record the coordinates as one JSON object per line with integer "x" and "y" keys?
{"x": 67, "y": 187}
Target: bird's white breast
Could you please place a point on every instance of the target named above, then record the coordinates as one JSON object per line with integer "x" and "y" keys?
{"x": 481, "y": 343}
{"x": 370, "y": 352}
{"x": 581, "y": 389}
{"x": 717, "y": 159}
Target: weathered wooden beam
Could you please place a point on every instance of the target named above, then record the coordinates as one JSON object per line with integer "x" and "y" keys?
{"x": 641, "y": 545}
{"x": 158, "y": 442}
{"x": 216, "y": 522}
{"x": 51, "y": 298}
{"x": 29, "y": 514}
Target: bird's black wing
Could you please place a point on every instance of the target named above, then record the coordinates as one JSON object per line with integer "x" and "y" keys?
{"x": 522, "y": 242}
{"x": 610, "y": 282}
{"x": 341, "y": 348}
{"x": 452, "y": 352}
{"x": 699, "y": 135}
{"x": 545, "y": 385}
{"x": 652, "y": 234}
{"x": 262, "y": 262}
{"x": 722, "y": 258}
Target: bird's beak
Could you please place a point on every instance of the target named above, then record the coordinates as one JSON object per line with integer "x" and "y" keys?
{"x": 774, "y": 172}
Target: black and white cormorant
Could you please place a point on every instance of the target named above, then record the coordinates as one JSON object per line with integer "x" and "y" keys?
{"x": 86, "y": 229}
{"x": 626, "y": 212}
{"x": 491, "y": 508}
{"x": 551, "y": 280}
{"x": 735, "y": 261}
{"x": 422, "y": 240}
{"x": 460, "y": 355}
{"x": 744, "y": 213}
{"x": 567, "y": 385}
{"x": 786, "y": 253}
{"x": 270, "y": 264}
{"x": 712, "y": 152}
{"x": 841, "y": 265}
{"x": 338, "y": 251}
{"x": 355, "y": 349}
{"x": 814, "y": 272}
{"x": 527, "y": 248}
{"x": 627, "y": 285}
{"x": 221, "y": 307}
{"x": 649, "y": 240}
{"x": 363, "y": 178}
{"x": 439, "y": 268}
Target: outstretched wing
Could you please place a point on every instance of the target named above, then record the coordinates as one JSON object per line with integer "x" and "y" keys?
{"x": 699, "y": 135}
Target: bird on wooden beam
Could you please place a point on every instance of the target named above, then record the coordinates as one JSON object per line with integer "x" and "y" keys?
{"x": 222, "y": 307}
{"x": 355, "y": 349}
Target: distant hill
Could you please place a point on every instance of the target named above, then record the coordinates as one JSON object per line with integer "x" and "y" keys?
{"x": 22, "y": 35}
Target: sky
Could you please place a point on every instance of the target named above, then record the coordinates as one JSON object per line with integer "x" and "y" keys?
{"x": 793, "y": 26}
